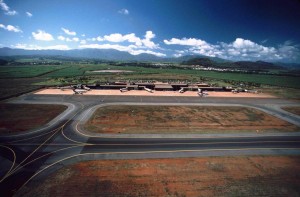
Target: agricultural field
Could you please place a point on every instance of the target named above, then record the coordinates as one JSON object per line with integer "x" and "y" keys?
{"x": 15, "y": 87}
{"x": 16, "y": 118}
{"x": 128, "y": 119}
{"x": 206, "y": 176}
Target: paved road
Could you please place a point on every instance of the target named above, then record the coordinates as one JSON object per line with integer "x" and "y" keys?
{"x": 30, "y": 157}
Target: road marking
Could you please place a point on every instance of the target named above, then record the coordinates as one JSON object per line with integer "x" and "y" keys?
{"x": 193, "y": 143}
{"x": 32, "y": 137}
{"x": 151, "y": 144}
{"x": 13, "y": 163}
{"x": 19, "y": 166}
{"x": 62, "y": 132}
{"x": 31, "y": 161}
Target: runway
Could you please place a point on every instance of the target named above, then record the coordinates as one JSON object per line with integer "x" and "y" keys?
{"x": 32, "y": 156}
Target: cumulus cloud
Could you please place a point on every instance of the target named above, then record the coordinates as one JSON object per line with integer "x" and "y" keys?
{"x": 68, "y": 32}
{"x": 7, "y": 9}
{"x": 42, "y": 35}
{"x": 75, "y": 39}
{"x": 197, "y": 46}
{"x": 289, "y": 51}
{"x": 61, "y": 38}
{"x": 36, "y": 47}
{"x": 239, "y": 49}
{"x": 132, "y": 49}
{"x": 123, "y": 11}
{"x": 82, "y": 42}
{"x": 29, "y": 14}
{"x": 132, "y": 38}
{"x": 136, "y": 45}
{"x": 10, "y": 28}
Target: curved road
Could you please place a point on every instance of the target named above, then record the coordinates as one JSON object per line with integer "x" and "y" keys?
{"x": 30, "y": 157}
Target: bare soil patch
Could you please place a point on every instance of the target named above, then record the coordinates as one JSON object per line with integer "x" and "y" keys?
{"x": 23, "y": 117}
{"x": 127, "y": 119}
{"x": 294, "y": 110}
{"x": 208, "y": 176}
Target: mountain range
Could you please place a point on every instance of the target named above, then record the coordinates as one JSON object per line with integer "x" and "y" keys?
{"x": 115, "y": 55}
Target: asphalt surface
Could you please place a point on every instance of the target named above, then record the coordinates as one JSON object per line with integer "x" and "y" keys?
{"x": 30, "y": 157}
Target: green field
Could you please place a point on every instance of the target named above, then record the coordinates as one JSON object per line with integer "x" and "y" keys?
{"x": 140, "y": 73}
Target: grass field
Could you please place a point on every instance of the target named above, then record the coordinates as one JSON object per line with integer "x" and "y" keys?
{"x": 69, "y": 70}
{"x": 16, "y": 118}
{"x": 208, "y": 176}
{"x": 183, "y": 119}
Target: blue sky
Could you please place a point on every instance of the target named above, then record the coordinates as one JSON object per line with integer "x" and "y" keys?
{"x": 232, "y": 29}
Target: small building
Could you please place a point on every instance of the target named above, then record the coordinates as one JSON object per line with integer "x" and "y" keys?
{"x": 111, "y": 87}
{"x": 132, "y": 87}
{"x": 147, "y": 85}
{"x": 178, "y": 86}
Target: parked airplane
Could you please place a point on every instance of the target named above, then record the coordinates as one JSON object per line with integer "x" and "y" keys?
{"x": 81, "y": 86}
{"x": 149, "y": 90}
{"x": 200, "y": 93}
{"x": 79, "y": 91}
{"x": 124, "y": 90}
{"x": 78, "y": 87}
{"x": 181, "y": 90}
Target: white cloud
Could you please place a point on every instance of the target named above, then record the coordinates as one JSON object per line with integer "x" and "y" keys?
{"x": 7, "y": 9}
{"x": 197, "y": 46}
{"x": 75, "y": 39}
{"x": 36, "y": 47}
{"x": 289, "y": 51}
{"x": 186, "y": 42}
{"x": 68, "y": 40}
{"x": 177, "y": 55}
{"x": 10, "y": 28}
{"x": 123, "y": 11}
{"x": 114, "y": 38}
{"x": 29, "y": 14}
{"x": 42, "y": 35}
{"x": 137, "y": 45}
{"x": 61, "y": 38}
{"x": 132, "y": 38}
{"x": 132, "y": 49}
{"x": 83, "y": 42}
{"x": 68, "y": 32}
{"x": 83, "y": 35}
{"x": 239, "y": 49}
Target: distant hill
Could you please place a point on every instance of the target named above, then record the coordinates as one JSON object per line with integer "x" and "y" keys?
{"x": 246, "y": 65}
{"x": 104, "y": 54}
{"x": 258, "y": 65}
{"x": 7, "y": 54}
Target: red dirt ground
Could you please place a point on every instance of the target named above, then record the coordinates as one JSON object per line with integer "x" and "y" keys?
{"x": 23, "y": 117}
{"x": 207, "y": 176}
{"x": 182, "y": 119}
